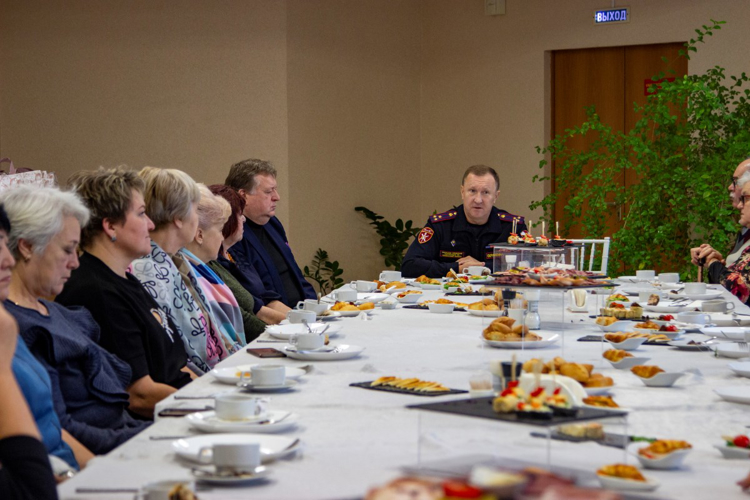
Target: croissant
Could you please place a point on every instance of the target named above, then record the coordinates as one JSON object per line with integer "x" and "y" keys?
{"x": 623, "y": 471}
{"x": 646, "y": 371}
{"x": 616, "y": 355}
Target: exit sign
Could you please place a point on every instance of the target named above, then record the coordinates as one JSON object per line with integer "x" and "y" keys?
{"x": 612, "y": 16}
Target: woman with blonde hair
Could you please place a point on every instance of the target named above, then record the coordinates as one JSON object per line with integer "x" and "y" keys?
{"x": 133, "y": 327}
{"x": 171, "y": 198}
{"x": 213, "y": 212}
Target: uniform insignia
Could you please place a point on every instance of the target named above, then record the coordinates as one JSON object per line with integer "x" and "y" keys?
{"x": 449, "y": 215}
{"x": 508, "y": 217}
{"x": 492, "y": 255}
{"x": 451, "y": 255}
{"x": 453, "y": 243}
{"x": 425, "y": 235}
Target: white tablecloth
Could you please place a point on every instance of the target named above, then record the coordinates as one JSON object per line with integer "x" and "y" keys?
{"x": 355, "y": 438}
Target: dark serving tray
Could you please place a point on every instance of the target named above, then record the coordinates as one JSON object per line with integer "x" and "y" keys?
{"x": 599, "y": 338}
{"x": 397, "y": 390}
{"x": 601, "y": 284}
{"x": 482, "y": 408}
{"x": 425, "y": 308}
{"x": 610, "y": 439}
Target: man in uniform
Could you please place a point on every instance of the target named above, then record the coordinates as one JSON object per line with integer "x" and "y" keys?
{"x": 459, "y": 237}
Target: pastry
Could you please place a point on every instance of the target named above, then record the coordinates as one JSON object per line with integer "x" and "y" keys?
{"x": 653, "y": 300}
{"x": 605, "y": 320}
{"x": 601, "y": 401}
{"x": 616, "y": 355}
{"x": 529, "y": 365}
{"x": 366, "y": 306}
{"x": 622, "y": 471}
{"x": 616, "y": 337}
{"x": 344, "y": 306}
{"x": 647, "y": 325}
{"x": 598, "y": 380}
{"x": 575, "y": 371}
{"x": 411, "y": 384}
{"x": 646, "y": 371}
{"x": 663, "y": 447}
{"x": 590, "y": 430}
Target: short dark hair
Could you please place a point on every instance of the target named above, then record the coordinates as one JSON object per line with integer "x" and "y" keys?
{"x": 236, "y": 202}
{"x": 4, "y": 221}
{"x": 242, "y": 174}
{"x": 479, "y": 171}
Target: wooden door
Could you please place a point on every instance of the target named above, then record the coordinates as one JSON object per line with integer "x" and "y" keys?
{"x": 612, "y": 79}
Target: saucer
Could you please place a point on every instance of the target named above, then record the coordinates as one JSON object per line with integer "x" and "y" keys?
{"x": 198, "y": 448}
{"x": 275, "y": 421}
{"x": 287, "y": 385}
{"x": 213, "y": 477}
{"x": 232, "y": 375}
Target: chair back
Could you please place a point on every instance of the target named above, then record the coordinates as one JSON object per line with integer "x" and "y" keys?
{"x": 588, "y": 253}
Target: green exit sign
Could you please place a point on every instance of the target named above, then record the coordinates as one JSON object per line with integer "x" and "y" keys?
{"x": 612, "y": 16}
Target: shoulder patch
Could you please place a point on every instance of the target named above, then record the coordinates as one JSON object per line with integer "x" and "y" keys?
{"x": 507, "y": 217}
{"x": 450, "y": 214}
{"x": 425, "y": 235}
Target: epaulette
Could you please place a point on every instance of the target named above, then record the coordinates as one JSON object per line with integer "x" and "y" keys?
{"x": 450, "y": 214}
{"x": 508, "y": 217}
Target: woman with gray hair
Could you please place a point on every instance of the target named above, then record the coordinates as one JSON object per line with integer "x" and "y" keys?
{"x": 132, "y": 325}
{"x": 88, "y": 382}
{"x": 171, "y": 198}
{"x": 735, "y": 277}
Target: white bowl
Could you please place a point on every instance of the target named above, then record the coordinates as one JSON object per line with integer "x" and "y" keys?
{"x": 741, "y": 369}
{"x": 731, "y": 350}
{"x": 450, "y": 289}
{"x": 663, "y": 379}
{"x": 628, "y": 363}
{"x": 671, "y": 460}
{"x": 617, "y": 483}
{"x": 618, "y": 326}
{"x": 388, "y": 304}
{"x": 630, "y": 344}
{"x": 441, "y": 308}
{"x": 732, "y": 452}
{"x": 412, "y": 298}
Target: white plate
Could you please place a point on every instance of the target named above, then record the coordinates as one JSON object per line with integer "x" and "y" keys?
{"x": 548, "y": 339}
{"x": 741, "y": 369}
{"x": 705, "y": 296}
{"x": 662, "y": 379}
{"x": 373, "y": 297}
{"x": 485, "y": 314}
{"x": 628, "y": 279}
{"x": 630, "y": 344}
{"x": 429, "y": 287}
{"x": 618, "y": 326}
{"x": 685, "y": 345}
{"x": 344, "y": 352}
{"x": 330, "y": 315}
{"x": 735, "y": 394}
{"x": 284, "y": 332}
{"x": 732, "y": 452}
{"x": 731, "y": 350}
{"x": 667, "y": 307}
{"x": 669, "y": 461}
{"x": 231, "y": 375}
{"x": 724, "y": 319}
{"x": 596, "y": 391}
{"x": 204, "y": 477}
{"x": 287, "y": 385}
{"x": 395, "y": 289}
{"x": 271, "y": 447}
{"x": 726, "y": 332}
{"x": 481, "y": 281}
{"x": 207, "y": 421}
{"x": 411, "y": 298}
{"x": 349, "y": 314}
{"x": 628, "y": 363}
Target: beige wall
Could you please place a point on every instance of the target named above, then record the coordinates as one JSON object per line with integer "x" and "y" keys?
{"x": 380, "y": 103}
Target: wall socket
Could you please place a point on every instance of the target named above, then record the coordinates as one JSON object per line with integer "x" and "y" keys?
{"x": 494, "y": 7}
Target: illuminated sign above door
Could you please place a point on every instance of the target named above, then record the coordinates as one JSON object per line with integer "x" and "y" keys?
{"x": 612, "y": 16}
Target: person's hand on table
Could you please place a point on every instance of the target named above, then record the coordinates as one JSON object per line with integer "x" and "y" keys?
{"x": 465, "y": 262}
{"x": 744, "y": 483}
{"x": 707, "y": 252}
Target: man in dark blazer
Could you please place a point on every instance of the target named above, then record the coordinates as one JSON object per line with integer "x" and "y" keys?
{"x": 264, "y": 245}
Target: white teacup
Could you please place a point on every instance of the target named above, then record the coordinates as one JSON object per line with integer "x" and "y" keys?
{"x": 308, "y": 341}
{"x": 312, "y": 305}
{"x": 345, "y": 295}
{"x": 364, "y": 286}
{"x": 695, "y": 288}
{"x": 389, "y": 276}
{"x": 669, "y": 277}
{"x": 719, "y": 306}
{"x": 298, "y": 316}
{"x": 268, "y": 374}
{"x": 645, "y": 275}
{"x": 475, "y": 270}
{"x": 694, "y": 317}
{"x": 160, "y": 490}
{"x": 237, "y": 406}
{"x": 234, "y": 457}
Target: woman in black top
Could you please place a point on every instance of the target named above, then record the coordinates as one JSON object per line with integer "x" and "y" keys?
{"x": 132, "y": 325}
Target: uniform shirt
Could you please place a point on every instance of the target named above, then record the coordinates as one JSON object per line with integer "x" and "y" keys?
{"x": 133, "y": 327}
{"x": 448, "y": 237}
{"x": 291, "y": 287}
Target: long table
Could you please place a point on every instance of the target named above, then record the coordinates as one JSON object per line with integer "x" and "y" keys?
{"x": 354, "y": 439}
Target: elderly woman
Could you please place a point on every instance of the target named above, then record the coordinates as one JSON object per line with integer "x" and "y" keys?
{"x": 31, "y": 376}
{"x": 132, "y": 325}
{"x": 88, "y": 382}
{"x": 230, "y": 273}
{"x": 736, "y": 277}
{"x": 172, "y": 204}
{"x": 244, "y": 281}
